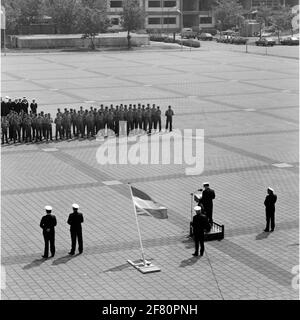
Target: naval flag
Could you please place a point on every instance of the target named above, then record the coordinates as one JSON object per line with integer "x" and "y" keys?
{"x": 144, "y": 202}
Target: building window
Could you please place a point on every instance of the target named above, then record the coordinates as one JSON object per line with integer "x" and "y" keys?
{"x": 169, "y": 4}
{"x": 204, "y": 5}
{"x": 116, "y": 4}
{"x": 114, "y": 21}
{"x": 154, "y": 4}
{"x": 205, "y": 20}
{"x": 154, "y": 21}
{"x": 170, "y": 20}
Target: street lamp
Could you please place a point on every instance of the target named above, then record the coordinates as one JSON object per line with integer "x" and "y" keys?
{"x": 173, "y": 8}
{"x": 181, "y": 24}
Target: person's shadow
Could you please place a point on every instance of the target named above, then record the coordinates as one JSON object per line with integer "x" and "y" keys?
{"x": 189, "y": 262}
{"x": 262, "y": 235}
{"x": 34, "y": 263}
{"x": 63, "y": 259}
{"x": 188, "y": 243}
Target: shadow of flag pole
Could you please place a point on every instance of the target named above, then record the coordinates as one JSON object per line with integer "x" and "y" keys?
{"x": 144, "y": 266}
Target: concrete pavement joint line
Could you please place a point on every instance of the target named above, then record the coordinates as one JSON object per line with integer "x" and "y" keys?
{"x": 240, "y": 54}
{"x": 241, "y": 231}
{"x": 255, "y": 262}
{"x": 14, "y": 76}
{"x": 63, "y": 92}
{"x": 211, "y": 99}
{"x": 91, "y": 172}
{"x": 264, "y": 86}
{"x": 260, "y": 69}
{"x": 91, "y": 146}
{"x": 245, "y": 153}
{"x": 76, "y": 88}
{"x": 52, "y": 188}
{"x": 212, "y": 172}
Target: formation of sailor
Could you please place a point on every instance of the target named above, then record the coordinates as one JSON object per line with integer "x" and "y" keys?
{"x": 20, "y": 125}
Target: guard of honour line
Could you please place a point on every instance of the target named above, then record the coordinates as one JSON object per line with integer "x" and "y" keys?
{"x": 19, "y": 123}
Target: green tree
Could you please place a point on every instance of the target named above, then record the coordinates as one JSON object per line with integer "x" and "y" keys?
{"x": 132, "y": 17}
{"x": 264, "y": 16}
{"x": 92, "y": 21}
{"x": 21, "y": 12}
{"x": 12, "y": 12}
{"x": 228, "y": 13}
{"x": 97, "y": 4}
{"x": 282, "y": 20}
{"x": 64, "y": 13}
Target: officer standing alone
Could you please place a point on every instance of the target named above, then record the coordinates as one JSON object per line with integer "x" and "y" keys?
{"x": 200, "y": 224}
{"x": 48, "y": 223}
{"x": 75, "y": 220}
{"x": 269, "y": 203}
{"x": 169, "y": 118}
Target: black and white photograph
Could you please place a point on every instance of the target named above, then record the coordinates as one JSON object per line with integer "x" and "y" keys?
{"x": 149, "y": 152}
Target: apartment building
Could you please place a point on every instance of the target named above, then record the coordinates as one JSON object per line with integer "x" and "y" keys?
{"x": 168, "y": 15}
{"x": 250, "y": 4}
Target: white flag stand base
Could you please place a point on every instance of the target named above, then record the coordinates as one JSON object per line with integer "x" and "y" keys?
{"x": 149, "y": 267}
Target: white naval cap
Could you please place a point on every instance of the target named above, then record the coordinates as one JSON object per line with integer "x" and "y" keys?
{"x": 48, "y": 208}
{"x": 205, "y": 184}
{"x": 197, "y": 208}
{"x": 75, "y": 206}
{"x": 271, "y": 189}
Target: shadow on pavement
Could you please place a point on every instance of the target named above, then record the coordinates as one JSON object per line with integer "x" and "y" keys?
{"x": 293, "y": 244}
{"x": 63, "y": 259}
{"x": 189, "y": 262}
{"x": 262, "y": 235}
{"x": 118, "y": 268}
{"x": 34, "y": 263}
{"x": 188, "y": 243}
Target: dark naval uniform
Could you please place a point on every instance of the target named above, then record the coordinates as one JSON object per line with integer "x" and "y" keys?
{"x": 200, "y": 224}
{"x": 207, "y": 201}
{"x": 169, "y": 120}
{"x": 269, "y": 203}
{"x": 75, "y": 220}
{"x": 48, "y": 223}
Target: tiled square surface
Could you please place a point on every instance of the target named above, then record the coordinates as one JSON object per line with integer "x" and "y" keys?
{"x": 240, "y": 151}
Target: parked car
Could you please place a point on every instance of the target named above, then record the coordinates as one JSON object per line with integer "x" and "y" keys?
{"x": 227, "y": 39}
{"x": 224, "y": 39}
{"x": 264, "y": 41}
{"x": 188, "y": 33}
{"x": 239, "y": 40}
{"x": 221, "y": 39}
{"x": 212, "y": 31}
{"x": 266, "y": 34}
{"x": 290, "y": 41}
{"x": 205, "y": 36}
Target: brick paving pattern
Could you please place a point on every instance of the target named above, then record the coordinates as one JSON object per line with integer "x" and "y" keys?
{"x": 247, "y": 105}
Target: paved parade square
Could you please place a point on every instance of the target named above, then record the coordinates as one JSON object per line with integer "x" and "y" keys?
{"x": 248, "y": 106}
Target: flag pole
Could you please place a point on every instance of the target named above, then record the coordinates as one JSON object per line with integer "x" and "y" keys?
{"x": 138, "y": 227}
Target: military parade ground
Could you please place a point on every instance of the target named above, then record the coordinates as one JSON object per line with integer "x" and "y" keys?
{"x": 248, "y": 106}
